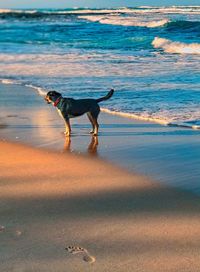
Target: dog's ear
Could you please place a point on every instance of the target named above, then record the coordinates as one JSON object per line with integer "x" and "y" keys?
{"x": 57, "y": 93}
{"x": 53, "y": 93}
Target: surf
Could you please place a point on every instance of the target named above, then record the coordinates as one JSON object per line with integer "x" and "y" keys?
{"x": 176, "y": 47}
{"x": 125, "y": 21}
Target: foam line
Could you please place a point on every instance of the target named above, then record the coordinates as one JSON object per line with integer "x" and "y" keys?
{"x": 176, "y": 47}
{"x": 153, "y": 120}
{"x": 135, "y": 116}
{"x": 124, "y": 21}
{"x": 40, "y": 90}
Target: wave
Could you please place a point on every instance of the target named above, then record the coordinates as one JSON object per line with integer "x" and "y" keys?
{"x": 17, "y": 11}
{"x": 169, "y": 10}
{"x": 116, "y": 19}
{"x": 29, "y": 13}
{"x": 135, "y": 116}
{"x": 187, "y": 124}
{"x": 125, "y": 21}
{"x": 176, "y": 47}
{"x": 8, "y": 81}
{"x": 190, "y": 124}
{"x": 12, "y": 13}
{"x": 41, "y": 91}
{"x": 184, "y": 26}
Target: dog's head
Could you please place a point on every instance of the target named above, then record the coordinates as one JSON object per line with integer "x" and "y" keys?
{"x": 52, "y": 96}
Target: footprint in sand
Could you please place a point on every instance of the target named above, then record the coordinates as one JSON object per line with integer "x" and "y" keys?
{"x": 15, "y": 233}
{"x": 2, "y": 228}
{"x": 86, "y": 256}
{"x": 18, "y": 233}
{"x": 12, "y": 115}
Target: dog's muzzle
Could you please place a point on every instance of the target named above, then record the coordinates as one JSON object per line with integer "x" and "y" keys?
{"x": 47, "y": 99}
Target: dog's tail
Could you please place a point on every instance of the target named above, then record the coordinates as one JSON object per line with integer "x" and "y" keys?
{"x": 109, "y": 94}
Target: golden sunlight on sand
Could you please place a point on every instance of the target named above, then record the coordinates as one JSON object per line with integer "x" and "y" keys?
{"x": 60, "y": 212}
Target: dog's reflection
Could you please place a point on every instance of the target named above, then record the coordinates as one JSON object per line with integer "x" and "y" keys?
{"x": 92, "y": 147}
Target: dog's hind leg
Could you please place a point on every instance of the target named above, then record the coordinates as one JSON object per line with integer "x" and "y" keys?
{"x": 96, "y": 126}
{"x": 93, "y": 115}
{"x": 91, "y": 121}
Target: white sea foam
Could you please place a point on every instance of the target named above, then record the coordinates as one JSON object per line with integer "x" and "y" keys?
{"x": 17, "y": 11}
{"x": 74, "y": 11}
{"x": 150, "y": 9}
{"x": 64, "y": 65}
{"x": 123, "y": 10}
{"x": 158, "y": 120}
{"x": 5, "y": 10}
{"x": 135, "y": 116}
{"x": 168, "y": 10}
{"x": 196, "y": 125}
{"x": 125, "y": 21}
{"x": 41, "y": 91}
{"x": 176, "y": 47}
{"x": 8, "y": 81}
{"x": 95, "y": 11}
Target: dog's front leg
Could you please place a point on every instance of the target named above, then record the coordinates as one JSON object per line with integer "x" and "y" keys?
{"x": 67, "y": 128}
{"x": 67, "y": 125}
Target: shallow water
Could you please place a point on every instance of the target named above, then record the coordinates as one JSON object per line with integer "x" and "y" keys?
{"x": 149, "y": 55}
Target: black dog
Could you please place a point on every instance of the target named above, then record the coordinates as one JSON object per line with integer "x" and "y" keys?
{"x": 69, "y": 108}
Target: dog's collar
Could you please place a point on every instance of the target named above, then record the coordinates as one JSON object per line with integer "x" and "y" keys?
{"x": 57, "y": 101}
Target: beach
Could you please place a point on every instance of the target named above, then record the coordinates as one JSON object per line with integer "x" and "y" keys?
{"x": 126, "y": 200}
{"x": 54, "y": 195}
{"x": 169, "y": 155}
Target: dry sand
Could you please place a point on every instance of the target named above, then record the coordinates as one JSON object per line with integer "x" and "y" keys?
{"x": 49, "y": 201}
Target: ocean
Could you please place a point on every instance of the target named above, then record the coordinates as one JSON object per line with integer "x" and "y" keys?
{"x": 149, "y": 55}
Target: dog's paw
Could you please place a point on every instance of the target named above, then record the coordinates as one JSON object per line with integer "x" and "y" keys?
{"x": 67, "y": 133}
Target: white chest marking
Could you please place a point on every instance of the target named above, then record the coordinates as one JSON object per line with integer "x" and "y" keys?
{"x": 59, "y": 112}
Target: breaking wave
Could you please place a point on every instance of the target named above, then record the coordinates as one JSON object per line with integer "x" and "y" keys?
{"x": 41, "y": 91}
{"x": 125, "y": 21}
{"x": 176, "y": 47}
{"x": 185, "y": 124}
{"x": 31, "y": 13}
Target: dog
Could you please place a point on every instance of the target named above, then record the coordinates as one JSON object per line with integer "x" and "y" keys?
{"x": 70, "y": 108}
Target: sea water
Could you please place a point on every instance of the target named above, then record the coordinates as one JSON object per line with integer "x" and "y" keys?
{"x": 149, "y": 55}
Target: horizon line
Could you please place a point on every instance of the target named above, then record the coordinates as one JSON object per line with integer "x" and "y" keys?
{"x": 86, "y": 7}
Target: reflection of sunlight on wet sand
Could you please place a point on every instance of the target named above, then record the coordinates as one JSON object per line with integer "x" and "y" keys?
{"x": 46, "y": 124}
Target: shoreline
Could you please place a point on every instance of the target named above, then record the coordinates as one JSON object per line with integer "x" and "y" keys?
{"x": 169, "y": 155}
{"x": 127, "y": 115}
